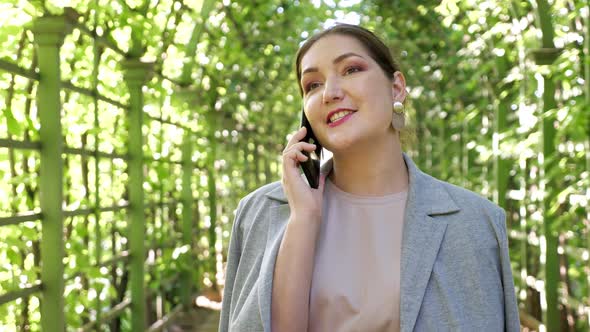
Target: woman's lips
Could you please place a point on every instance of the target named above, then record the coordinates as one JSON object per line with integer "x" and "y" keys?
{"x": 341, "y": 120}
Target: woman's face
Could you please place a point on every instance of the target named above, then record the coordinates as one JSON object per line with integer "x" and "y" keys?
{"x": 338, "y": 74}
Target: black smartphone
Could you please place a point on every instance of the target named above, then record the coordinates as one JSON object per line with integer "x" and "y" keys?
{"x": 311, "y": 167}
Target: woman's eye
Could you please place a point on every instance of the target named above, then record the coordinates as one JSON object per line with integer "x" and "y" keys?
{"x": 311, "y": 86}
{"x": 351, "y": 70}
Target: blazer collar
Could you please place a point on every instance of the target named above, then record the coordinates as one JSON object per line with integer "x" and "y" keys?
{"x": 434, "y": 198}
{"x": 421, "y": 239}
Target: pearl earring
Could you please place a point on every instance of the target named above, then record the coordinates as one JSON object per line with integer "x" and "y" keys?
{"x": 399, "y": 121}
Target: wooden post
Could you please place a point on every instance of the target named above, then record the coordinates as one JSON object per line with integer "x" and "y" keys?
{"x": 50, "y": 32}
{"x": 587, "y": 141}
{"x": 501, "y": 165}
{"x": 136, "y": 74}
{"x": 187, "y": 210}
{"x": 546, "y": 56}
{"x": 213, "y": 122}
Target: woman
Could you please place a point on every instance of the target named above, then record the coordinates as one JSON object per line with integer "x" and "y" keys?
{"x": 379, "y": 245}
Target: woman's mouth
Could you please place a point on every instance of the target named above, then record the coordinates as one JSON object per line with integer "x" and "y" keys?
{"x": 341, "y": 120}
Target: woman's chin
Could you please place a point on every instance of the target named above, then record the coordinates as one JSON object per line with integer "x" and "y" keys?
{"x": 342, "y": 145}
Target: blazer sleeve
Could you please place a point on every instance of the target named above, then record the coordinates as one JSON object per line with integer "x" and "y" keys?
{"x": 511, "y": 315}
{"x": 233, "y": 260}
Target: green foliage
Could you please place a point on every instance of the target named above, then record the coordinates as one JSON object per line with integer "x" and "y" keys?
{"x": 477, "y": 64}
{"x": 223, "y": 79}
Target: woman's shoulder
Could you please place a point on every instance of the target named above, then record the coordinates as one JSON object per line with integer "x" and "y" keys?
{"x": 477, "y": 221}
{"x": 260, "y": 194}
{"x": 474, "y": 206}
{"x": 466, "y": 201}
{"x": 466, "y": 198}
{"x": 255, "y": 204}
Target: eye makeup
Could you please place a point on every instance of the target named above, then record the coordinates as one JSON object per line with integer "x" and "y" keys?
{"x": 349, "y": 67}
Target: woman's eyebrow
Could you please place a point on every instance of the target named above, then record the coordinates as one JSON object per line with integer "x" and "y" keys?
{"x": 335, "y": 61}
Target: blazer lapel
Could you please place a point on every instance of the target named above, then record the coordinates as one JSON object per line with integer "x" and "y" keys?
{"x": 422, "y": 237}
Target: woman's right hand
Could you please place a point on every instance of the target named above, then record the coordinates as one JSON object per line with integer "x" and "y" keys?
{"x": 304, "y": 201}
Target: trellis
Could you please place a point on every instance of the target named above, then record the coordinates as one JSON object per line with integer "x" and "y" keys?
{"x": 161, "y": 181}
{"x": 45, "y": 76}
{"x": 536, "y": 199}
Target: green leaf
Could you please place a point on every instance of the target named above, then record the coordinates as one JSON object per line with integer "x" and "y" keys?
{"x": 14, "y": 127}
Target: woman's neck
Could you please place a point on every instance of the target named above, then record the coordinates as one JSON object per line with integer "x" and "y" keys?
{"x": 376, "y": 171}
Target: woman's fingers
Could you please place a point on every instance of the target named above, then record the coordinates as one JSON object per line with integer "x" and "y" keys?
{"x": 295, "y": 152}
{"x": 297, "y": 136}
{"x": 301, "y": 146}
{"x": 301, "y": 156}
{"x": 294, "y": 147}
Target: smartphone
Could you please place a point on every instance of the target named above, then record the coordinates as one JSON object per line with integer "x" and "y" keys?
{"x": 311, "y": 167}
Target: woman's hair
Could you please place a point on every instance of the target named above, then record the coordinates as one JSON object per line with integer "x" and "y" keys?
{"x": 378, "y": 51}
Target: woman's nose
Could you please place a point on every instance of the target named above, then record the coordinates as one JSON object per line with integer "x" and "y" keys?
{"x": 332, "y": 91}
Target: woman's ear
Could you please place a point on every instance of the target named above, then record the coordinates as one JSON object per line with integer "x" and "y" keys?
{"x": 398, "y": 87}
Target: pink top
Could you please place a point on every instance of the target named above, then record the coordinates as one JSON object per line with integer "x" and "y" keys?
{"x": 356, "y": 277}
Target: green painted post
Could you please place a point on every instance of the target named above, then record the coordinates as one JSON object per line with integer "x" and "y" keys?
{"x": 501, "y": 165}
{"x": 420, "y": 131}
{"x": 246, "y": 170}
{"x": 551, "y": 255}
{"x": 256, "y": 163}
{"x": 211, "y": 187}
{"x": 466, "y": 151}
{"x": 136, "y": 74}
{"x": 97, "y": 213}
{"x": 430, "y": 147}
{"x": 587, "y": 141}
{"x": 187, "y": 209}
{"x": 523, "y": 227}
{"x": 546, "y": 56}
{"x": 267, "y": 171}
{"x": 213, "y": 120}
{"x": 49, "y": 34}
{"x": 444, "y": 146}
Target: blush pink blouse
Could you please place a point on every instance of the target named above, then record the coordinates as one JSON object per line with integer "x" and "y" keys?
{"x": 356, "y": 277}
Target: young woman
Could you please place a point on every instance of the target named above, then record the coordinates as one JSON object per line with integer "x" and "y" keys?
{"x": 379, "y": 245}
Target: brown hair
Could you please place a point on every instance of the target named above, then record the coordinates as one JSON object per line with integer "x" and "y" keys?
{"x": 376, "y": 48}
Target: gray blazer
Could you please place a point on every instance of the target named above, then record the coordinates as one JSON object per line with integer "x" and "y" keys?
{"x": 455, "y": 266}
